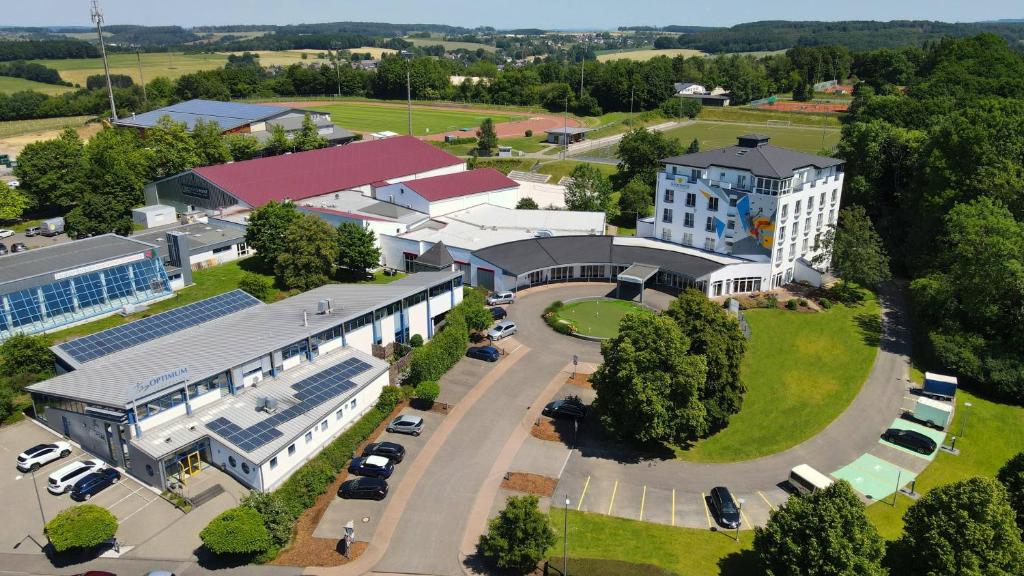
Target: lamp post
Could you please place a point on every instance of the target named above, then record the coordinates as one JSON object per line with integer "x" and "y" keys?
{"x": 963, "y": 423}
{"x": 565, "y": 539}
{"x": 39, "y": 501}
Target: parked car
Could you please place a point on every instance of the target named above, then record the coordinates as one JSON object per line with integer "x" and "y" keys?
{"x": 364, "y": 488}
{"x": 375, "y": 466}
{"x": 501, "y": 298}
{"x": 486, "y": 353}
{"x": 727, "y": 513}
{"x": 910, "y": 439}
{"x": 569, "y": 407}
{"x": 62, "y": 480}
{"x": 33, "y": 231}
{"x": 5, "y": 233}
{"x": 406, "y": 424}
{"x": 503, "y": 329}
{"x": 390, "y": 450}
{"x": 18, "y": 247}
{"x": 93, "y": 483}
{"x": 498, "y": 313}
{"x": 3, "y": 249}
{"x": 41, "y": 454}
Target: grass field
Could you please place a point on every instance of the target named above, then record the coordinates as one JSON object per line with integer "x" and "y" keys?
{"x": 167, "y": 64}
{"x": 20, "y": 127}
{"x": 9, "y": 84}
{"x": 367, "y": 117}
{"x": 448, "y": 45}
{"x": 560, "y": 168}
{"x": 720, "y": 134}
{"x": 801, "y": 371}
{"x": 758, "y": 116}
{"x": 599, "y": 318}
{"x": 648, "y": 54}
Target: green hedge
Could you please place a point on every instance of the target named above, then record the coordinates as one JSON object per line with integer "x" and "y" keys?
{"x": 428, "y": 391}
{"x": 600, "y": 567}
{"x": 236, "y": 531}
{"x": 433, "y": 359}
{"x": 557, "y": 324}
{"x": 81, "y": 527}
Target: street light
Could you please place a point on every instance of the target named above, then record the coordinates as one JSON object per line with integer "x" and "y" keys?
{"x": 565, "y": 539}
{"x": 40, "y": 502}
{"x": 963, "y": 423}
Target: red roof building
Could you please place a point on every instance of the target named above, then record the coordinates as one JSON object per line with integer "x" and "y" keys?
{"x": 458, "y": 184}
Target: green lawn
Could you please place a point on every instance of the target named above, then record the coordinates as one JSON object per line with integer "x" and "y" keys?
{"x": 20, "y": 127}
{"x": 559, "y": 168}
{"x": 719, "y": 135}
{"x": 599, "y": 318}
{"x": 168, "y": 64}
{"x": 9, "y": 84}
{"x": 367, "y": 117}
{"x": 685, "y": 551}
{"x": 757, "y": 116}
{"x": 801, "y": 370}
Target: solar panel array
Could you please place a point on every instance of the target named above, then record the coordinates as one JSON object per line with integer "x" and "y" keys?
{"x": 134, "y": 333}
{"x": 311, "y": 392}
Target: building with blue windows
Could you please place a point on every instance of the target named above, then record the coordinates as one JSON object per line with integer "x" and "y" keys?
{"x": 53, "y": 287}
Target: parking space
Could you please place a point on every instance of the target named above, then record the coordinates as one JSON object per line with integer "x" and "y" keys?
{"x": 873, "y": 477}
{"x": 33, "y": 242}
{"x": 937, "y": 435}
{"x": 366, "y": 513}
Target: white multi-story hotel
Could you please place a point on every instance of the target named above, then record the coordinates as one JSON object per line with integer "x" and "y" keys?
{"x": 754, "y": 201}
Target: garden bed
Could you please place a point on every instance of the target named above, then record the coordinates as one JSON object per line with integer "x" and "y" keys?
{"x": 591, "y": 318}
{"x": 529, "y": 483}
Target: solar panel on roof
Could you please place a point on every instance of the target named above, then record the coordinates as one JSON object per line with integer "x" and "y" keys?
{"x": 122, "y": 337}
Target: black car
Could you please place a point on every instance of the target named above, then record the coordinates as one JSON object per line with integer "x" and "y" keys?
{"x": 570, "y": 407}
{"x": 498, "y": 313}
{"x": 364, "y": 489}
{"x": 390, "y": 450}
{"x": 375, "y": 466}
{"x": 487, "y": 353}
{"x": 94, "y": 483}
{"x": 910, "y": 439}
{"x": 18, "y": 247}
{"x": 727, "y": 514}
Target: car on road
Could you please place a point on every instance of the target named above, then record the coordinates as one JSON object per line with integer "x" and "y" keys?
{"x": 726, "y": 512}
{"x": 94, "y": 483}
{"x": 501, "y": 298}
{"x": 390, "y": 450}
{"x": 18, "y": 247}
{"x": 375, "y": 466}
{"x": 3, "y": 249}
{"x": 503, "y": 329}
{"x": 33, "y": 231}
{"x": 42, "y": 454}
{"x": 569, "y": 407}
{"x": 486, "y": 353}
{"x": 406, "y": 424}
{"x": 64, "y": 479}
{"x": 5, "y": 233}
{"x": 498, "y": 313}
{"x": 910, "y": 439}
{"x": 364, "y": 488}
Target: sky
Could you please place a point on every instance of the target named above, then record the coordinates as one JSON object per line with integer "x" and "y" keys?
{"x": 546, "y": 14}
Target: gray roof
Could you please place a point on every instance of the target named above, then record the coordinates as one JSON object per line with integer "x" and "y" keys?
{"x": 202, "y": 237}
{"x": 764, "y": 160}
{"x": 526, "y": 255}
{"x": 292, "y": 122}
{"x": 218, "y": 345}
{"x": 37, "y": 267}
{"x": 437, "y": 256}
{"x": 227, "y": 115}
{"x": 638, "y": 272}
{"x": 568, "y": 130}
{"x": 242, "y": 410}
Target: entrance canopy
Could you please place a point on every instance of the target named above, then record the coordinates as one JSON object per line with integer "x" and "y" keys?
{"x": 638, "y": 273}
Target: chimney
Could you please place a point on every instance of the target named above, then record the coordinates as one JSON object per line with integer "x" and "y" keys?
{"x": 305, "y": 318}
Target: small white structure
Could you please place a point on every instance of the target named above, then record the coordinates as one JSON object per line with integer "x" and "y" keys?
{"x": 381, "y": 135}
{"x": 689, "y": 88}
{"x": 155, "y": 215}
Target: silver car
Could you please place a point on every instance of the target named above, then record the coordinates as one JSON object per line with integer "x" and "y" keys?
{"x": 502, "y": 329}
{"x": 406, "y": 424}
{"x": 500, "y": 298}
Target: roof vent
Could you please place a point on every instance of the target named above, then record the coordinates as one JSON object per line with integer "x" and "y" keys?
{"x": 192, "y": 427}
{"x": 270, "y": 406}
{"x": 324, "y": 306}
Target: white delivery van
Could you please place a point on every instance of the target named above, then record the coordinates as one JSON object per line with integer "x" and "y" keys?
{"x": 805, "y": 479}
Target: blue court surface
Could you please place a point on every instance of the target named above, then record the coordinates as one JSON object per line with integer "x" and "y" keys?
{"x": 874, "y": 477}
{"x": 937, "y": 435}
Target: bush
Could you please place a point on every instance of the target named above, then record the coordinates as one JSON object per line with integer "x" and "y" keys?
{"x": 416, "y": 341}
{"x": 7, "y": 405}
{"x": 433, "y": 359}
{"x": 825, "y": 303}
{"x": 771, "y": 302}
{"x": 846, "y": 293}
{"x": 389, "y": 397}
{"x": 81, "y": 527}
{"x": 307, "y": 484}
{"x": 276, "y": 516}
{"x": 236, "y": 531}
{"x": 257, "y": 285}
{"x": 22, "y": 354}
{"x": 791, "y": 304}
{"x": 802, "y": 302}
{"x": 427, "y": 391}
{"x": 518, "y": 537}
{"x": 529, "y": 133}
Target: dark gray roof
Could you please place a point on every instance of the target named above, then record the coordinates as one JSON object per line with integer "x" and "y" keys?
{"x": 227, "y": 115}
{"x": 437, "y": 256}
{"x": 524, "y": 256}
{"x": 766, "y": 161}
{"x": 36, "y": 267}
{"x": 202, "y": 237}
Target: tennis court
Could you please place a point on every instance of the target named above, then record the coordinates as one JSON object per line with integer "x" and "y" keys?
{"x": 938, "y": 435}
{"x": 874, "y": 477}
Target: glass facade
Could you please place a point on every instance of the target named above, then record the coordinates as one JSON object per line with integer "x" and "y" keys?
{"x": 70, "y": 300}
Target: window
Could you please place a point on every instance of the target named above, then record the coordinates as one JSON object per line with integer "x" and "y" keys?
{"x": 439, "y": 289}
{"x": 357, "y": 323}
{"x": 297, "y": 349}
{"x": 352, "y": 404}
{"x": 821, "y": 201}
{"x": 810, "y": 204}
{"x": 691, "y": 199}
{"x": 291, "y": 450}
{"x": 409, "y": 259}
{"x": 713, "y": 204}
{"x": 309, "y": 437}
{"x": 796, "y": 208}
{"x": 390, "y": 309}
{"x": 709, "y": 244}
{"x": 778, "y": 255}
{"x": 782, "y": 232}
{"x": 688, "y": 220}
{"x": 796, "y": 229}
{"x": 323, "y": 425}
{"x": 670, "y": 195}
{"x": 222, "y": 249}
{"x": 245, "y": 467}
{"x": 746, "y": 285}
{"x": 807, "y": 226}
{"x": 818, "y": 226}
{"x": 666, "y": 234}
{"x": 695, "y": 174}
{"x": 831, "y": 216}
{"x": 741, "y": 182}
{"x": 243, "y": 249}
{"x": 835, "y": 192}
{"x": 687, "y": 238}
{"x": 803, "y": 249}
{"x": 731, "y": 224}
{"x": 562, "y": 273}
{"x": 415, "y": 299}
{"x": 792, "y": 251}
{"x": 592, "y": 271}
{"x": 232, "y": 461}
{"x": 338, "y": 414}
{"x": 273, "y": 462}
{"x": 785, "y": 212}
{"x": 709, "y": 225}
{"x": 733, "y": 200}
{"x": 666, "y": 216}
{"x": 149, "y": 469}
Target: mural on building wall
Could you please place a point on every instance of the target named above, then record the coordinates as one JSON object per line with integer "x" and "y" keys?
{"x": 757, "y": 222}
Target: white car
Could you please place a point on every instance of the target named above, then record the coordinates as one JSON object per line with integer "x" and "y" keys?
{"x": 64, "y": 479}
{"x": 42, "y": 454}
{"x": 503, "y": 329}
{"x": 501, "y": 298}
{"x": 5, "y": 233}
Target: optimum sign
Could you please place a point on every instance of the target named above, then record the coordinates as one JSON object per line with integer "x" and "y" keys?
{"x": 157, "y": 382}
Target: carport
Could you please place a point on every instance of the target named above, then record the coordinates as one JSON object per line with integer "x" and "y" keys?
{"x": 632, "y": 280}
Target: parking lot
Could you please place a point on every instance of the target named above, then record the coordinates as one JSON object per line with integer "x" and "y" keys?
{"x": 34, "y": 241}
{"x": 140, "y": 512}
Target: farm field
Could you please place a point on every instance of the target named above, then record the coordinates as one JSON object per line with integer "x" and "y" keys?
{"x": 9, "y": 85}
{"x": 448, "y": 44}
{"x": 167, "y": 64}
{"x": 371, "y": 117}
{"x": 642, "y": 55}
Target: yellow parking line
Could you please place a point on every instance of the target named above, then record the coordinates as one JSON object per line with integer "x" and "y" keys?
{"x": 612, "y": 503}
{"x": 673, "y": 506}
{"x": 744, "y": 515}
{"x": 584, "y": 493}
{"x": 707, "y": 513}
{"x": 643, "y": 499}
{"x": 763, "y": 497}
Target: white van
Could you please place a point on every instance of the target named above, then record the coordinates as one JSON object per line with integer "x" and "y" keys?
{"x": 805, "y": 479}
{"x": 64, "y": 479}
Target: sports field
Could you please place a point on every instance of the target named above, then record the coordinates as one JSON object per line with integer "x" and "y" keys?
{"x": 599, "y": 318}
{"x": 9, "y": 85}
{"x": 719, "y": 134}
{"x": 372, "y": 117}
{"x": 642, "y": 55}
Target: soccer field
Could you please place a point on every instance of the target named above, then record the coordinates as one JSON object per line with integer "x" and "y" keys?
{"x": 371, "y": 117}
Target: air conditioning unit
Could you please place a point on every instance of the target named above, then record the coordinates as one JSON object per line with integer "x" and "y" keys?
{"x": 271, "y": 406}
{"x": 324, "y": 306}
{"x": 261, "y": 402}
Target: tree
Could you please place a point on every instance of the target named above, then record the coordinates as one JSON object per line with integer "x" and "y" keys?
{"x": 803, "y": 92}
{"x": 117, "y": 167}
{"x": 12, "y": 202}
{"x": 694, "y": 147}
{"x": 1012, "y": 477}
{"x": 826, "y": 532}
{"x": 526, "y": 203}
{"x": 172, "y": 148}
{"x": 636, "y": 199}
{"x": 98, "y": 215}
{"x": 278, "y": 143}
{"x": 257, "y": 285}
{"x": 640, "y": 154}
{"x": 24, "y": 354}
{"x": 266, "y": 229}
{"x": 52, "y": 172}
{"x": 308, "y": 137}
{"x": 854, "y": 249}
{"x": 312, "y": 252}
{"x": 357, "y": 248}
{"x": 519, "y": 536}
{"x": 649, "y": 386}
{"x": 276, "y": 517}
{"x": 210, "y": 144}
{"x": 7, "y": 404}
{"x": 716, "y": 335}
{"x": 474, "y": 310}
{"x": 966, "y": 528}
{"x": 242, "y": 147}
{"x": 487, "y": 138}
{"x": 590, "y": 191}
{"x": 427, "y": 391}
{"x": 81, "y": 527}
{"x": 238, "y": 530}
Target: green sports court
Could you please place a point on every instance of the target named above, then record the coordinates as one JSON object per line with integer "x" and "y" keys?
{"x": 874, "y": 477}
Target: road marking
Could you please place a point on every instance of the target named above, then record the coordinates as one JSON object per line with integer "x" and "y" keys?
{"x": 125, "y": 519}
{"x": 582, "y": 494}
{"x": 744, "y": 515}
{"x": 615, "y": 489}
{"x": 765, "y": 498}
{"x": 643, "y": 499}
{"x": 130, "y": 494}
{"x": 564, "y": 464}
{"x": 673, "y": 506}
{"x": 707, "y": 513}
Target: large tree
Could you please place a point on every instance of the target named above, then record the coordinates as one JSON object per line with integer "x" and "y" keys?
{"x": 824, "y": 533}
{"x": 487, "y": 138}
{"x": 358, "y": 249}
{"x": 312, "y": 250}
{"x": 518, "y": 538}
{"x": 716, "y": 335}
{"x": 854, "y": 250}
{"x": 25, "y": 355}
{"x": 308, "y": 137}
{"x": 590, "y": 191}
{"x": 12, "y": 202}
{"x": 966, "y": 528}
{"x": 636, "y": 199}
{"x": 171, "y": 147}
{"x": 649, "y": 386}
{"x": 1012, "y": 477}
{"x": 52, "y": 172}
{"x": 210, "y": 144}
{"x": 640, "y": 154}
{"x": 266, "y": 229}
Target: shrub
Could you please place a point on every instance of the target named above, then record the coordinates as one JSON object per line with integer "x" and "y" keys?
{"x": 428, "y": 391}
{"x": 791, "y": 304}
{"x": 257, "y": 285}
{"x": 846, "y": 293}
{"x": 529, "y": 133}
{"x": 433, "y": 359}
{"x": 278, "y": 520}
{"x": 22, "y": 354}
{"x": 416, "y": 341}
{"x": 518, "y": 537}
{"x": 236, "y": 531}
{"x": 308, "y": 483}
{"x": 389, "y": 397}
{"x": 825, "y": 303}
{"x": 802, "y": 302}
{"x": 81, "y": 527}
{"x": 771, "y": 301}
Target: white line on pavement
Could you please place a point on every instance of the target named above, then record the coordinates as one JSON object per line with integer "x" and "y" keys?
{"x": 139, "y": 510}
{"x": 564, "y": 464}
